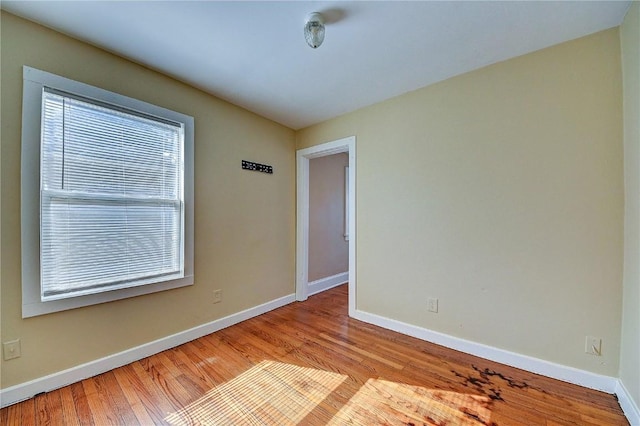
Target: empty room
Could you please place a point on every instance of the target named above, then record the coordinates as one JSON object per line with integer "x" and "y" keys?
{"x": 320, "y": 213}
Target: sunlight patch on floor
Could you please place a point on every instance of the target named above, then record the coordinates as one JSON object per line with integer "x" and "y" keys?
{"x": 275, "y": 393}
{"x": 271, "y": 393}
{"x": 380, "y": 402}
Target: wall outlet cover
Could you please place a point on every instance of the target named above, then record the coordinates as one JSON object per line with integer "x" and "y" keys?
{"x": 11, "y": 349}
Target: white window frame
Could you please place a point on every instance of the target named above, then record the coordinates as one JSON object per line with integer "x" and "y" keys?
{"x": 34, "y": 82}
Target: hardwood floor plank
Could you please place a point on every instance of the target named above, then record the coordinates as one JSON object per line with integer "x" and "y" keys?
{"x": 121, "y": 406}
{"x": 98, "y": 402}
{"x": 69, "y": 412}
{"x": 308, "y": 363}
{"x": 42, "y": 411}
{"x": 180, "y": 358}
{"x": 81, "y": 404}
{"x": 155, "y": 402}
{"x": 161, "y": 376}
{"x": 133, "y": 399}
{"x": 28, "y": 413}
{"x": 308, "y": 335}
{"x": 353, "y": 347}
{"x": 54, "y": 407}
{"x": 12, "y": 415}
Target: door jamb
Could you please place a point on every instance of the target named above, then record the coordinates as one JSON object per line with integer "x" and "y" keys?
{"x": 303, "y": 156}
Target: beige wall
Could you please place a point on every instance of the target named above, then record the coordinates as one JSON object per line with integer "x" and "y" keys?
{"x": 246, "y": 252}
{"x": 328, "y": 250}
{"x": 500, "y": 192}
{"x": 630, "y": 347}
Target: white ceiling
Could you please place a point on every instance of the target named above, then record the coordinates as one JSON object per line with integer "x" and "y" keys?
{"x": 253, "y": 54}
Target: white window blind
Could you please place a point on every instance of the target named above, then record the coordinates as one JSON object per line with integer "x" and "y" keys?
{"x": 111, "y": 198}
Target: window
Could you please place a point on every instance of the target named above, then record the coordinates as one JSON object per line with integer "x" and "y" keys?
{"x": 107, "y": 196}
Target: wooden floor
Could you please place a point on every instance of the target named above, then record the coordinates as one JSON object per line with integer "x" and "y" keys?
{"x": 309, "y": 364}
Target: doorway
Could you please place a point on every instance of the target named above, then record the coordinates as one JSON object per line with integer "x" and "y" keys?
{"x": 303, "y": 157}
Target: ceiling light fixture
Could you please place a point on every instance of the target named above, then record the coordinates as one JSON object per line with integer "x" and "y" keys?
{"x": 314, "y": 30}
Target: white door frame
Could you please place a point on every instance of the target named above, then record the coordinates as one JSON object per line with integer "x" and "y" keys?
{"x": 303, "y": 156}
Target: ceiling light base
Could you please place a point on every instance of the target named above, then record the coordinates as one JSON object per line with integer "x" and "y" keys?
{"x": 314, "y": 30}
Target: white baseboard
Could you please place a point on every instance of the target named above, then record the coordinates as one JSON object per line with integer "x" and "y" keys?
{"x": 607, "y": 384}
{"x": 629, "y": 406}
{"x": 576, "y": 376}
{"x": 329, "y": 282}
{"x": 524, "y": 362}
{"x": 26, "y": 390}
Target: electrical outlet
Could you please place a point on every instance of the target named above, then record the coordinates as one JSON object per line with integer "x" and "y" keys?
{"x": 593, "y": 345}
{"x": 217, "y": 296}
{"x": 11, "y": 350}
{"x": 432, "y": 305}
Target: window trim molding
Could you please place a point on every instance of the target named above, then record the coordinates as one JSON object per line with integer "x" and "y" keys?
{"x": 34, "y": 81}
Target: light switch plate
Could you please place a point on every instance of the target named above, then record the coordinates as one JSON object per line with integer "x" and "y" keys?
{"x": 593, "y": 345}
